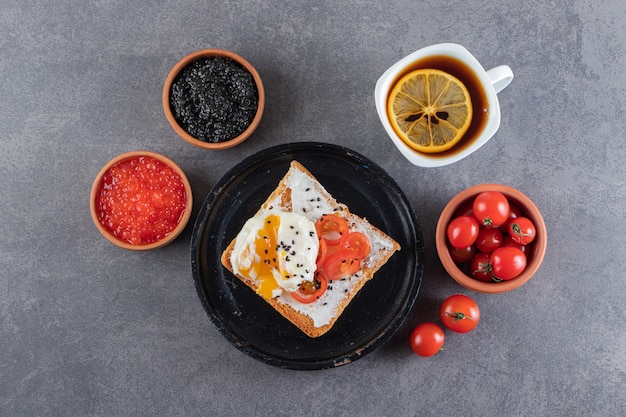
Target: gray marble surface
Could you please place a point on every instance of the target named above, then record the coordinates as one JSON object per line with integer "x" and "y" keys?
{"x": 92, "y": 330}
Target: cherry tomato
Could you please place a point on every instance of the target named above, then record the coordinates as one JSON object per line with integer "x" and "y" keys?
{"x": 357, "y": 242}
{"x": 310, "y": 291}
{"x": 459, "y": 313}
{"x": 426, "y": 339}
{"x": 522, "y": 230}
{"x": 341, "y": 263}
{"x": 488, "y": 240}
{"x": 491, "y": 208}
{"x": 465, "y": 209}
{"x": 461, "y": 255}
{"x": 331, "y": 228}
{"x": 462, "y": 231}
{"x": 507, "y": 263}
{"x": 480, "y": 267}
{"x": 514, "y": 213}
{"x": 507, "y": 240}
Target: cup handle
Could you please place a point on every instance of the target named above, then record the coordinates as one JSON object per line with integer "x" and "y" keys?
{"x": 500, "y": 77}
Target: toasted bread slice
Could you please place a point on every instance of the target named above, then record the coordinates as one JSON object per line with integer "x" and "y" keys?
{"x": 300, "y": 191}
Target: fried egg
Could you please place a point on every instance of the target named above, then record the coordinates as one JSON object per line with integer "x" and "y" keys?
{"x": 278, "y": 250}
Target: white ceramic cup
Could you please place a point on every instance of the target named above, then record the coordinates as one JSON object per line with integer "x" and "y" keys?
{"x": 491, "y": 82}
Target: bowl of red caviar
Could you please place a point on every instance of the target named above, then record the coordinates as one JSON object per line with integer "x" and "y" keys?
{"x": 141, "y": 200}
{"x": 213, "y": 99}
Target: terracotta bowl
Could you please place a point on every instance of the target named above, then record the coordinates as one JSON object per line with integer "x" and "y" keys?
{"x": 188, "y": 137}
{"x": 169, "y": 237}
{"x": 534, "y": 259}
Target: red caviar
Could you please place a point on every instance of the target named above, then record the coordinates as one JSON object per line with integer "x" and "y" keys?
{"x": 140, "y": 200}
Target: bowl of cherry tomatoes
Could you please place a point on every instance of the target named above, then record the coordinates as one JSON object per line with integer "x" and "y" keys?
{"x": 491, "y": 238}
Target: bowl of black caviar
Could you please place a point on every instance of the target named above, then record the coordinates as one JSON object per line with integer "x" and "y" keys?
{"x": 213, "y": 99}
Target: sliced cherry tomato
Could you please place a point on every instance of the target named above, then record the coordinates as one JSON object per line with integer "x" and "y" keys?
{"x": 331, "y": 228}
{"x": 310, "y": 291}
{"x": 461, "y": 255}
{"x": 341, "y": 263}
{"x": 488, "y": 240}
{"x": 426, "y": 339}
{"x": 491, "y": 208}
{"x": 480, "y": 267}
{"x": 462, "y": 231}
{"x": 522, "y": 230}
{"x": 507, "y": 263}
{"x": 459, "y": 313}
{"x": 357, "y": 242}
{"x": 321, "y": 254}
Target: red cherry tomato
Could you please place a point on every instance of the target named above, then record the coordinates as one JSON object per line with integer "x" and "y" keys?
{"x": 488, "y": 240}
{"x": 331, "y": 228}
{"x": 514, "y": 213}
{"x": 310, "y": 291}
{"x": 461, "y": 255}
{"x": 459, "y": 313}
{"x": 507, "y": 240}
{"x": 341, "y": 263}
{"x": 507, "y": 263}
{"x": 522, "y": 230}
{"x": 462, "y": 231}
{"x": 426, "y": 339}
{"x": 491, "y": 208}
{"x": 357, "y": 242}
{"x": 480, "y": 267}
{"x": 464, "y": 209}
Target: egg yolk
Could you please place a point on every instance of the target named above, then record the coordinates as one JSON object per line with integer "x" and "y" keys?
{"x": 267, "y": 256}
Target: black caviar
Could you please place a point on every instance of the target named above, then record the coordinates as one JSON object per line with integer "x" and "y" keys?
{"x": 214, "y": 99}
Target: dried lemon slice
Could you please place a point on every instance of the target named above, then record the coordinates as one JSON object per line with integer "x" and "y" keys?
{"x": 430, "y": 110}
